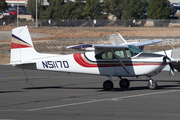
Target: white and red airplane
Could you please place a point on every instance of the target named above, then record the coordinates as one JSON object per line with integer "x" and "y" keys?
{"x": 125, "y": 60}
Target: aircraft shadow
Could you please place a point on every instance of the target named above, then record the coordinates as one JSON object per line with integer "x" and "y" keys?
{"x": 155, "y": 80}
{"x": 60, "y": 87}
{"x": 100, "y": 89}
{"x": 45, "y": 87}
{"x": 9, "y": 91}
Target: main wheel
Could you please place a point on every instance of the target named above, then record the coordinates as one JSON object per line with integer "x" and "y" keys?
{"x": 153, "y": 85}
{"x": 124, "y": 83}
{"x": 108, "y": 85}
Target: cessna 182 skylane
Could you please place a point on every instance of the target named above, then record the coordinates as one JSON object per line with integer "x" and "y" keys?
{"x": 125, "y": 60}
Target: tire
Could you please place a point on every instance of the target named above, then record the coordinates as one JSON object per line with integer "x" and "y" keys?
{"x": 108, "y": 85}
{"x": 153, "y": 86}
{"x": 124, "y": 83}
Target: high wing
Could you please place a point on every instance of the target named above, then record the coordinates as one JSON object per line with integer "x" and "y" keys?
{"x": 97, "y": 46}
{"x": 144, "y": 43}
{"x": 111, "y": 46}
{"x": 81, "y": 47}
{"x": 92, "y": 46}
{"x": 116, "y": 41}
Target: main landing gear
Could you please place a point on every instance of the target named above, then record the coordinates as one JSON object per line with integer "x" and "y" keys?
{"x": 124, "y": 84}
{"x": 108, "y": 85}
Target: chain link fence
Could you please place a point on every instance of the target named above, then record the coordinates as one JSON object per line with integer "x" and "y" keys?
{"x": 94, "y": 23}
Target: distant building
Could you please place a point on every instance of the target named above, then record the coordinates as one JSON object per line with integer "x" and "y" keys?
{"x": 174, "y": 1}
{"x": 46, "y": 3}
{"x": 82, "y": 1}
{"x": 14, "y": 3}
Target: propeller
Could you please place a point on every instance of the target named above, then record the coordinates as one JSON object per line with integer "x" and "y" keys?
{"x": 170, "y": 64}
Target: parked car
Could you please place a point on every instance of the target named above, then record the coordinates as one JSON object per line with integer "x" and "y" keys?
{"x": 6, "y": 12}
{"x": 13, "y": 12}
{"x": 26, "y": 13}
{"x": 175, "y": 4}
{"x": 11, "y": 8}
{"x": 20, "y": 13}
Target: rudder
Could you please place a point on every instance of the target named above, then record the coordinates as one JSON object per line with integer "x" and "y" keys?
{"x": 22, "y": 47}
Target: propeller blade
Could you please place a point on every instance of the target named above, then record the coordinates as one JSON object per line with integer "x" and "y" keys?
{"x": 171, "y": 68}
{"x": 170, "y": 64}
{"x": 165, "y": 51}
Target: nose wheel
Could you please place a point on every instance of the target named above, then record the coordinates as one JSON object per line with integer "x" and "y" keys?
{"x": 152, "y": 84}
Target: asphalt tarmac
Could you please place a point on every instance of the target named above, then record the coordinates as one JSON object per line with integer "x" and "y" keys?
{"x": 62, "y": 96}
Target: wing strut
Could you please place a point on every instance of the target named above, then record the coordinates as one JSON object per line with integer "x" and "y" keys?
{"x": 121, "y": 63}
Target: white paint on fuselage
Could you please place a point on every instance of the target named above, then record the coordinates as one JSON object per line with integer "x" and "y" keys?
{"x": 66, "y": 63}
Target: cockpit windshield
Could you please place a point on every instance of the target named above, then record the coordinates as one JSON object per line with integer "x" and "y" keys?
{"x": 134, "y": 50}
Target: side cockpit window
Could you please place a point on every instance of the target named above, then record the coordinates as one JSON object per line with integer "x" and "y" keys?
{"x": 134, "y": 50}
{"x": 128, "y": 52}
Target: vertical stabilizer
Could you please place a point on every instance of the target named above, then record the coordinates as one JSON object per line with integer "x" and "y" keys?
{"x": 22, "y": 48}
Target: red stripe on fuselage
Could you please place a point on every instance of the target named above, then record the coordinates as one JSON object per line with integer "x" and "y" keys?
{"x": 78, "y": 58}
{"x": 16, "y": 45}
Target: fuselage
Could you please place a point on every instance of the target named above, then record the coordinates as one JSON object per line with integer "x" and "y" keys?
{"x": 142, "y": 64}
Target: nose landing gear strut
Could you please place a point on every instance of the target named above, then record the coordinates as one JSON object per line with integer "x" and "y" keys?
{"x": 152, "y": 84}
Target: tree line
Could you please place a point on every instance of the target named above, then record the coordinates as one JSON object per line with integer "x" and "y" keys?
{"x": 3, "y": 5}
{"x": 94, "y": 9}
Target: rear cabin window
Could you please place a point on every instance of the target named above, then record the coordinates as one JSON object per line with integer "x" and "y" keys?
{"x": 120, "y": 53}
{"x": 130, "y": 52}
{"x": 110, "y": 55}
{"x": 101, "y": 55}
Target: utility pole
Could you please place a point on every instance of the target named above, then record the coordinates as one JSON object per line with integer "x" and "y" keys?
{"x": 17, "y": 13}
{"x": 36, "y": 15}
